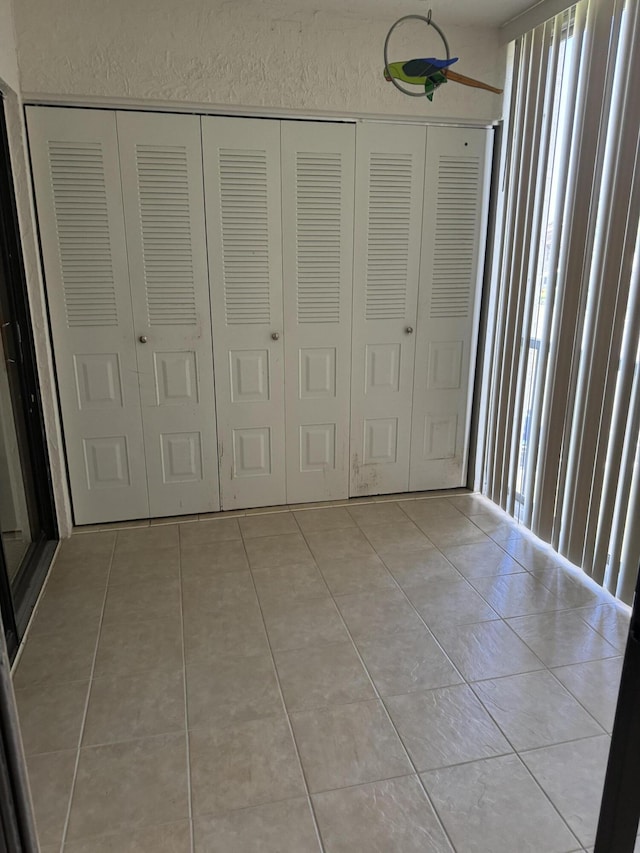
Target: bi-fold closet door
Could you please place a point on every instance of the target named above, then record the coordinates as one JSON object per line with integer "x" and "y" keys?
{"x": 279, "y": 200}
{"x": 121, "y": 219}
{"x": 420, "y": 220}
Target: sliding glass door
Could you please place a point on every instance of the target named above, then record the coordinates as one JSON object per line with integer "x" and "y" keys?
{"x": 27, "y": 526}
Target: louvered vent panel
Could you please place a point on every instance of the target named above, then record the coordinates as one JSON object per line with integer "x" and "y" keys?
{"x": 165, "y": 217}
{"x": 245, "y": 236}
{"x": 84, "y": 241}
{"x": 455, "y": 236}
{"x": 388, "y": 239}
{"x": 318, "y": 236}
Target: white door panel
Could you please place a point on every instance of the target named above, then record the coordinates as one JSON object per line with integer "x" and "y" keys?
{"x": 76, "y": 171}
{"x": 161, "y": 163}
{"x": 317, "y": 216}
{"x": 389, "y": 188}
{"x": 456, "y": 198}
{"x": 244, "y": 231}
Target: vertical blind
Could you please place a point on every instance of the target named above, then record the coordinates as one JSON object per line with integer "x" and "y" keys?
{"x": 560, "y": 402}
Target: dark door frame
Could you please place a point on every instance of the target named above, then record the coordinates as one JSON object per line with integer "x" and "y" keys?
{"x": 19, "y": 339}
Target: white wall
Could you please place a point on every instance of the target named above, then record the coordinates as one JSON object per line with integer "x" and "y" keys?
{"x": 10, "y": 88}
{"x": 279, "y": 54}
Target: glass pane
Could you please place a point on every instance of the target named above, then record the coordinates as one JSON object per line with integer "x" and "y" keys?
{"x": 15, "y": 526}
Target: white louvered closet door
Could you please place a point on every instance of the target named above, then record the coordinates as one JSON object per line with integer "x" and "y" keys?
{"x": 455, "y": 216}
{"x": 389, "y": 193}
{"x": 161, "y": 164}
{"x": 244, "y": 230}
{"x": 74, "y": 155}
{"x": 317, "y": 216}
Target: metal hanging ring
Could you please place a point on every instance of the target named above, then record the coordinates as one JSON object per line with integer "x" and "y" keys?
{"x": 427, "y": 20}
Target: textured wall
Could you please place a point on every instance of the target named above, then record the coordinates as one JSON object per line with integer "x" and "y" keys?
{"x": 9, "y": 85}
{"x": 8, "y": 58}
{"x": 251, "y": 53}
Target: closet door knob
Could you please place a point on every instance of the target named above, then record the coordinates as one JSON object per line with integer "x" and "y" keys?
{"x": 409, "y": 330}
{"x": 143, "y": 339}
{"x": 275, "y": 336}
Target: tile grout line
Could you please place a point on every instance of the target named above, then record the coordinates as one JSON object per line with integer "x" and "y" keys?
{"x": 544, "y": 667}
{"x": 281, "y": 693}
{"x": 439, "y": 820}
{"x": 186, "y": 700}
{"x": 88, "y": 698}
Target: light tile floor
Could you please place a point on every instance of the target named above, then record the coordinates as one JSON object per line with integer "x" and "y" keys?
{"x": 387, "y": 677}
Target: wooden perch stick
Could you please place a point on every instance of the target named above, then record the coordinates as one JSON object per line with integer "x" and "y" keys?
{"x": 469, "y": 81}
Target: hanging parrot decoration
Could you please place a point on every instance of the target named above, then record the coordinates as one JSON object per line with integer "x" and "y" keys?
{"x": 432, "y": 73}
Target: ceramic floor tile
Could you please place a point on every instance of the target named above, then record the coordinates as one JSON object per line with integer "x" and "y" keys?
{"x": 243, "y": 765}
{"x": 568, "y": 588}
{"x": 572, "y": 774}
{"x": 610, "y": 621}
{"x": 517, "y": 595}
{"x": 482, "y": 560}
{"x": 534, "y": 710}
{"x": 285, "y": 827}
{"x": 51, "y": 716}
{"x": 276, "y": 524}
{"x": 303, "y": 624}
{"x": 396, "y": 538}
{"x": 404, "y": 663}
{"x": 167, "y": 838}
{"x": 486, "y": 650}
{"x": 58, "y": 608}
{"x": 531, "y": 555}
{"x": 73, "y": 573}
{"x": 442, "y": 602}
{"x": 595, "y": 684}
{"x": 472, "y": 505}
{"x": 329, "y": 675}
{"x": 289, "y": 583}
{"x": 347, "y": 745}
{"x": 378, "y": 613}
{"x": 142, "y": 600}
{"x": 267, "y": 551}
{"x": 561, "y": 638}
{"x": 447, "y": 532}
{"x": 232, "y": 689}
{"x": 331, "y": 518}
{"x": 356, "y": 574}
{"x": 481, "y": 806}
{"x": 217, "y": 593}
{"x": 218, "y": 558}
{"x": 499, "y": 529}
{"x": 375, "y": 514}
{"x": 50, "y": 780}
{"x": 341, "y": 544}
{"x": 162, "y": 565}
{"x": 94, "y": 547}
{"x": 148, "y": 703}
{"x": 445, "y": 726}
{"x": 415, "y": 568}
{"x": 209, "y": 532}
{"x": 238, "y": 630}
{"x": 56, "y": 658}
{"x": 136, "y": 783}
{"x": 430, "y": 510}
{"x": 129, "y": 648}
{"x": 147, "y": 538}
{"x": 392, "y": 816}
